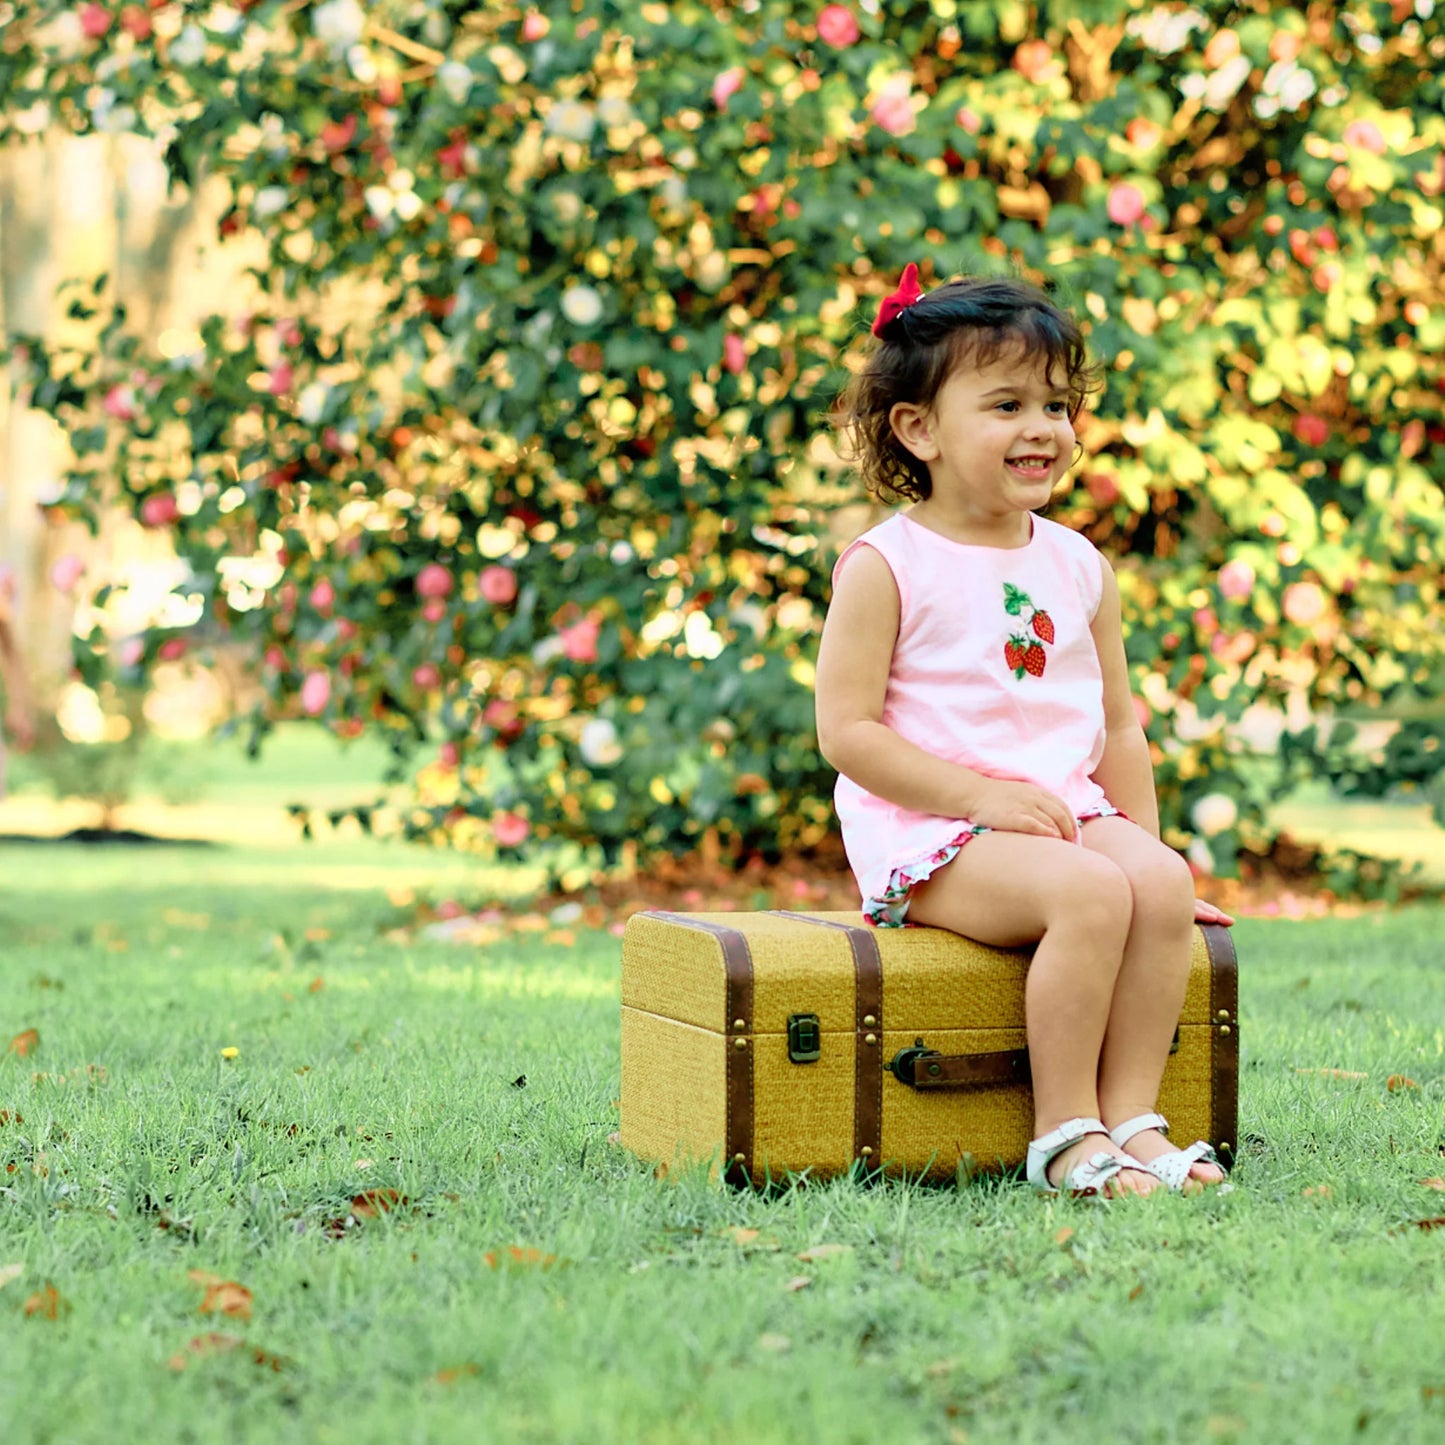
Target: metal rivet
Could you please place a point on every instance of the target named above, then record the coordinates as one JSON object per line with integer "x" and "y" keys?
{"x": 1224, "y": 1028}
{"x": 866, "y": 1150}
{"x": 1223, "y": 1015}
{"x": 934, "y": 1070}
{"x": 1225, "y": 1145}
{"x": 740, "y": 1024}
{"x": 740, "y": 1158}
{"x": 870, "y": 1038}
{"x": 869, "y": 1021}
{"x": 740, "y": 1043}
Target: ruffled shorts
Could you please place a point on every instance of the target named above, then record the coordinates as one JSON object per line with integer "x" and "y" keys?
{"x": 890, "y": 908}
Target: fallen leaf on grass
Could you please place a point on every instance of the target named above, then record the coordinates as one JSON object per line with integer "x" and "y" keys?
{"x": 1396, "y": 1082}
{"x": 9, "y": 1273}
{"x": 1438, "y": 1222}
{"x": 47, "y": 1303}
{"x": 1136, "y": 1291}
{"x": 372, "y": 1202}
{"x": 1432, "y": 1183}
{"x": 517, "y": 1256}
{"x": 824, "y": 1251}
{"x": 214, "y": 1343}
{"x": 24, "y": 1043}
{"x": 740, "y": 1235}
{"x": 456, "y": 1372}
{"x": 223, "y": 1296}
{"x": 1318, "y": 1191}
{"x": 776, "y": 1343}
{"x": 1064, "y": 1235}
{"x": 316, "y": 985}
{"x": 615, "y": 1137}
{"x": 1334, "y": 1073}
{"x": 10, "y": 1116}
{"x": 798, "y": 1281}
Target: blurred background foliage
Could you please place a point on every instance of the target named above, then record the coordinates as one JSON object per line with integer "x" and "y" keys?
{"x": 521, "y": 460}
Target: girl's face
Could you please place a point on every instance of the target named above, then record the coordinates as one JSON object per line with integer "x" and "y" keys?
{"x": 996, "y": 439}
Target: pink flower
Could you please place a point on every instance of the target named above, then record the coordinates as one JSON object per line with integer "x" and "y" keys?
{"x": 735, "y": 354}
{"x": 67, "y": 571}
{"x": 1366, "y": 135}
{"x": 534, "y": 25}
{"x": 323, "y": 597}
{"x": 274, "y": 659}
{"x": 837, "y": 26}
{"x": 727, "y": 83}
{"x": 498, "y": 585}
{"x": 449, "y": 755}
{"x": 347, "y": 630}
{"x": 1125, "y": 204}
{"x": 1304, "y": 603}
{"x": 893, "y": 110}
{"x": 510, "y": 830}
{"x": 426, "y": 676}
{"x": 1236, "y": 579}
{"x": 969, "y": 120}
{"x": 120, "y": 403}
{"x": 132, "y": 652}
{"x": 1312, "y": 430}
{"x": 434, "y": 610}
{"x": 94, "y": 21}
{"x": 281, "y": 378}
{"x": 172, "y": 649}
{"x": 579, "y": 642}
{"x": 159, "y": 510}
{"x": 315, "y": 693}
{"x": 433, "y": 580}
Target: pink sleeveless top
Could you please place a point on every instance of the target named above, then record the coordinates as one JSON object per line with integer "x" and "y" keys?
{"x": 994, "y": 668}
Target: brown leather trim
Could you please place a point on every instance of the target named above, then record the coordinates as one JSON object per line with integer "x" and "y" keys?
{"x": 868, "y": 1045}
{"x": 961, "y": 1071}
{"x": 738, "y": 1043}
{"x": 1224, "y": 1031}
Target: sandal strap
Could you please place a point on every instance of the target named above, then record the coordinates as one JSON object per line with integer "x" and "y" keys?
{"x": 1122, "y": 1133}
{"x": 1097, "y": 1170}
{"x": 1173, "y": 1168}
{"x": 1047, "y": 1147}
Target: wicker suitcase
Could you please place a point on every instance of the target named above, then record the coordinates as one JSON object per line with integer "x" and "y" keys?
{"x": 770, "y": 1044}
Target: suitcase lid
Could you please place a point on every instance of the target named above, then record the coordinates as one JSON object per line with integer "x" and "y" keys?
{"x": 676, "y": 965}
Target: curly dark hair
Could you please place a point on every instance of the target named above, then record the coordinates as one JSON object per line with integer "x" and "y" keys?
{"x": 974, "y": 319}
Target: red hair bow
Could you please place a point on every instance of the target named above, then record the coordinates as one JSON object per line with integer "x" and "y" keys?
{"x": 907, "y": 294}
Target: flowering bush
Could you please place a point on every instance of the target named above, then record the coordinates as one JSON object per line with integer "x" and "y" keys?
{"x": 517, "y": 459}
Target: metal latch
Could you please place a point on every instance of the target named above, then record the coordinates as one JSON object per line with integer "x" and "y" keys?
{"x": 805, "y": 1038}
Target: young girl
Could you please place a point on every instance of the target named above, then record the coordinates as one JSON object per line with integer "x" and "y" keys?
{"x": 973, "y": 695}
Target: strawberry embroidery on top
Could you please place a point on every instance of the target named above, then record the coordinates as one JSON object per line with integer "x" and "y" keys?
{"x": 1023, "y": 654}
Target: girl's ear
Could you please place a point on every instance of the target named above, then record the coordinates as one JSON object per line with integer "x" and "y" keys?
{"x": 914, "y": 428}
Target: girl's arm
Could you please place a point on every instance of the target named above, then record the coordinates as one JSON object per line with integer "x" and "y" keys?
{"x": 19, "y": 719}
{"x": 854, "y": 658}
{"x": 1125, "y": 772}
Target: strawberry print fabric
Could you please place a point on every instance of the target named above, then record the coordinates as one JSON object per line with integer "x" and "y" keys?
{"x": 995, "y": 669}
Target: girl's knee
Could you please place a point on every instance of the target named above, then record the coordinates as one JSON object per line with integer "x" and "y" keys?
{"x": 1093, "y": 895}
{"x": 1162, "y": 887}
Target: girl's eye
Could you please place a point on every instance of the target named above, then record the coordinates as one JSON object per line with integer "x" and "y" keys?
{"x": 1059, "y": 408}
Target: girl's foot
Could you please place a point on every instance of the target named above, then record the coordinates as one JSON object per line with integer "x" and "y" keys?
{"x": 1127, "y": 1181}
{"x": 1150, "y": 1145}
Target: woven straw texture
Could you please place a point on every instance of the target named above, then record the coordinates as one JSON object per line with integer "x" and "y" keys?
{"x": 958, "y": 996}
{"x": 673, "y": 1100}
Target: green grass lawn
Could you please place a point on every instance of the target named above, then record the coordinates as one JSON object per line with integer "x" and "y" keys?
{"x": 1305, "y": 1305}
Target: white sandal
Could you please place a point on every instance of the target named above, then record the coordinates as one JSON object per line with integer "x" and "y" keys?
{"x": 1172, "y": 1168}
{"x": 1087, "y": 1178}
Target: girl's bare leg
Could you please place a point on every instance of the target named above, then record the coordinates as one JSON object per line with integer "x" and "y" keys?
{"x": 1011, "y": 889}
{"x": 1149, "y": 990}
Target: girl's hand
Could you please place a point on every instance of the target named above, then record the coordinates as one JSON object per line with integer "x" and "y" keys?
{"x": 1208, "y": 913}
{"x": 1012, "y": 807}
